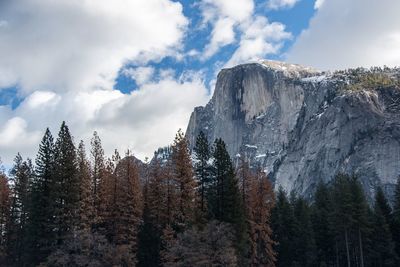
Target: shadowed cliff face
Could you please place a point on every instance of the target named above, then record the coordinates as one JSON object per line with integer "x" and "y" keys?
{"x": 302, "y": 126}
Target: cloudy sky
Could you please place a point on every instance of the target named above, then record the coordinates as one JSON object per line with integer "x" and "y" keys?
{"x": 134, "y": 69}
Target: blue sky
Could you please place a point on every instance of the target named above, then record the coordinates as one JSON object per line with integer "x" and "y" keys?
{"x": 295, "y": 18}
{"x": 133, "y": 70}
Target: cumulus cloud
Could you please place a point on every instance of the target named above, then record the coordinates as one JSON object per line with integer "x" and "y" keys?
{"x": 235, "y": 23}
{"x": 259, "y": 39}
{"x": 347, "y": 34}
{"x": 142, "y": 121}
{"x": 78, "y": 45}
{"x": 140, "y": 74}
{"x": 318, "y": 3}
{"x": 279, "y": 4}
{"x": 64, "y": 57}
{"x": 224, "y": 15}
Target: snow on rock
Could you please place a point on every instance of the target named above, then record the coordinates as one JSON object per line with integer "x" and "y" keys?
{"x": 273, "y": 106}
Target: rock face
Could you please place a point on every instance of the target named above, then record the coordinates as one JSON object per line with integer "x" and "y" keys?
{"x": 303, "y": 126}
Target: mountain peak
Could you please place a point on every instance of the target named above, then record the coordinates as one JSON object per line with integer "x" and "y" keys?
{"x": 292, "y": 70}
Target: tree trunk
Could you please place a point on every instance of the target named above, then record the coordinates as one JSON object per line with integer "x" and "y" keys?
{"x": 347, "y": 248}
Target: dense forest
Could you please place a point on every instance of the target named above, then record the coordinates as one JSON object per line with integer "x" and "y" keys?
{"x": 73, "y": 208}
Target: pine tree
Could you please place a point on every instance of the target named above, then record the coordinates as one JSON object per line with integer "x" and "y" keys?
{"x": 359, "y": 217}
{"x": 209, "y": 246}
{"x": 303, "y": 239}
{"x": 322, "y": 228}
{"x": 245, "y": 176}
{"x": 396, "y": 218}
{"x": 283, "y": 229}
{"x": 202, "y": 168}
{"x": 260, "y": 202}
{"x": 40, "y": 229}
{"x": 149, "y": 235}
{"x": 342, "y": 213}
{"x": 383, "y": 247}
{"x": 225, "y": 199}
{"x": 160, "y": 198}
{"x": 21, "y": 176}
{"x": 128, "y": 206}
{"x": 98, "y": 171}
{"x": 65, "y": 190}
{"x": 106, "y": 203}
{"x": 86, "y": 203}
{"x": 5, "y": 195}
{"x": 184, "y": 179}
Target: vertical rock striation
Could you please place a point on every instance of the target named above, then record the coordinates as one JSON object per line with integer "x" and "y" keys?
{"x": 303, "y": 126}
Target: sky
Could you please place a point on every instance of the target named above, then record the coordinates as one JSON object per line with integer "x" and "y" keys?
{"x": 133, "y": 70}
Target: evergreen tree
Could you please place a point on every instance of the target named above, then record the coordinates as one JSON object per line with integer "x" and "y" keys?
{"x": 98, "y": 171}
{"x": 65, "y": 189}
{"x": 127, "y": 206}
{"x": 5, "y": 196}
{"x": 210, "y": 246}
{"x": 383, "y": 248}
{"x": 86, "y": 203}
{"x": 303, "y": 239}
{"x": 159, "y": 207}
{"x": 396, "y": 218}
{"x": 40, "y": 231}
{"x": 322, "y": 228}
{"x": 107, "y": 191}
{"x": 225, "y": 199}
{"x": 283, "y": 229}
{"x": 149, "y": 236}
{"x": 245, "y": 177}
{"x": 342, "y": 215}
{"x": 202, "y": 168}
{"x": 20, "y": 176}
{"x": 259, "y": 204}
{"x": 360, "y": 218}
{"x": 184, "y": 179}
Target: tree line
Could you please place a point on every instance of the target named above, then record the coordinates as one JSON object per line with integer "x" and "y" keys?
{"x": 182, "y": 209}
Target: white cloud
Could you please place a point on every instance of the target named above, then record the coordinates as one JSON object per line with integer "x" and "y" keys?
{"x": 257, "y": 36}
{"x": 347, "y": 34}
{"x": 224, "y": 15}
{"x": 222, "y": 34}
{"x": 140, "y": 74}
{"x": 78, "y": 45}
{"x": 41, "y": 99}
{"x": 318, "y": 3}
{"x": 259, "y": 39}
{"x": 143, "y": 120}
{"x": 279, "y": 4}
{"x": 65, "y": 56}
{"x": 14, "y": 134}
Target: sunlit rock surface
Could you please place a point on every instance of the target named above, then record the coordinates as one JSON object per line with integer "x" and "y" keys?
{"x": 303, "y": 126}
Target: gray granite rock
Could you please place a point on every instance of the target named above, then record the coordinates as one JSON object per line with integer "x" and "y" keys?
{"x": 301, "y": 126}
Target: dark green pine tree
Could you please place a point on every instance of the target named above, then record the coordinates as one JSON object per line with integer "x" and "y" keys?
{"x": 225, "y": 200}
{"x": 20, "y": 177}
{"x": 65, "y": 190}
{"x": 149, "y": 237}
{"x": 303, "y": 238}
{"x": 324, "y": 238}
{"x": 342, "y": 217}
{"x": 40, "y": 229}
{"x": 396, "y": 218}
{"x": 283, "y": 229}
{"x": 86, "y": 201}
{"x": 383, "y": 247}
{"x": 359, "y": 214}
{"x": 202, "y": 167}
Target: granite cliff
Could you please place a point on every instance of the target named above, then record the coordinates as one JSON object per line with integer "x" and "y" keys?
{"x": 303, "y": 126}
